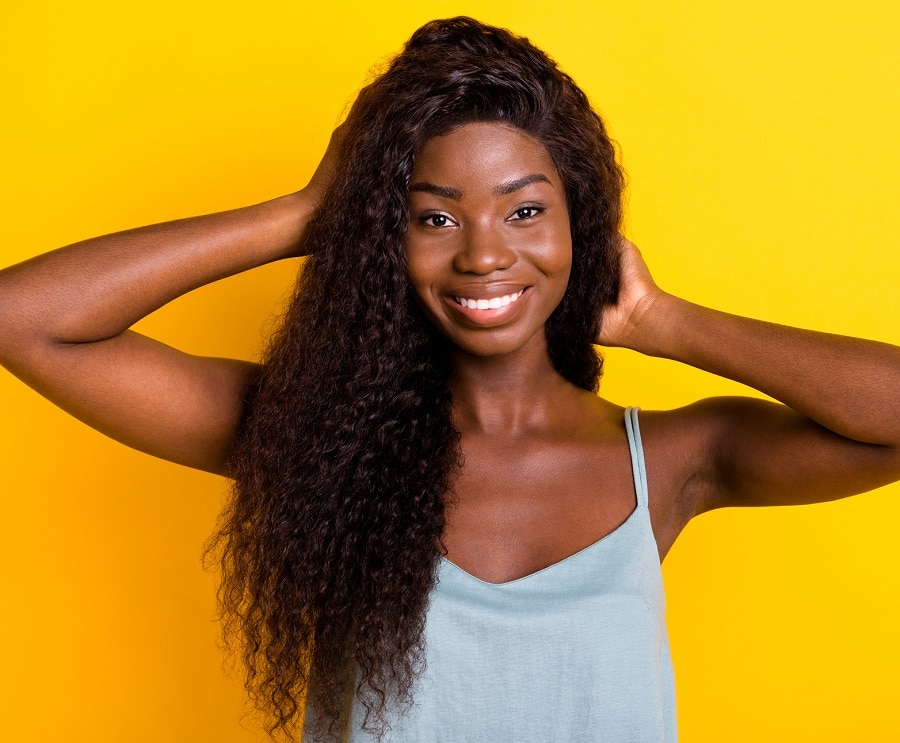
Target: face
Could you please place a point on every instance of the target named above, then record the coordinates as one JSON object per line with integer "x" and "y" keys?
{"x": 489, "y": 249}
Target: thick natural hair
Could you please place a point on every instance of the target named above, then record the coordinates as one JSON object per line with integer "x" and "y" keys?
{"x": 347, "y": 452}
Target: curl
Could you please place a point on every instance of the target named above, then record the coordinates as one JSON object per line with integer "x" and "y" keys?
{"x": 347, "y": 453}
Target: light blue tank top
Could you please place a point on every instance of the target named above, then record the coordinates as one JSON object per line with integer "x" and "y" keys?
{"x": 576, "y": 652}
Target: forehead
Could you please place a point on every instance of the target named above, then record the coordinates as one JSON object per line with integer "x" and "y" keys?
{"x": 482, "y": 153}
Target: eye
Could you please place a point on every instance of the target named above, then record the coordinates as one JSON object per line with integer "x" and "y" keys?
{"x": 436, "y": 220}
{"x": 527, "y": 212}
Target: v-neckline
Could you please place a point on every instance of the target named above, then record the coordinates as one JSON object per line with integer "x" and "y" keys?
{"x": 549, "y": 567}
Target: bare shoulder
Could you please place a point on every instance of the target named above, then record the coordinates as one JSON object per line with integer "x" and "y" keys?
{"x": 677, "y": 445}
{"x": 744, "y": 451}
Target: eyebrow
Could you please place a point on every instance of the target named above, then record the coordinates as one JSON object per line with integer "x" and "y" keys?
{"x": 503, "y": 189}
{"x": 511, "y": 186}
{"x": 442, "y": 191}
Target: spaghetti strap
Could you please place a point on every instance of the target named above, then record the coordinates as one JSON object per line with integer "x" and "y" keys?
{"x": 636, "y": 448}
{"x": 589, "y": 629}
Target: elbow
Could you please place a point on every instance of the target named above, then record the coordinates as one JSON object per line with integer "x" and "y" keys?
{"x": 25, "y": 324}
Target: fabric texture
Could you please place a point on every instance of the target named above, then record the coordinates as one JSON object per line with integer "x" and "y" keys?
{"x": 575, "y": 652}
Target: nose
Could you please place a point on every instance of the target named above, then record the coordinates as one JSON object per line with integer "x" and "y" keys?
{"x": 483, "y": 250}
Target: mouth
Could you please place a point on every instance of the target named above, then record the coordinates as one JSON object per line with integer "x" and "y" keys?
{"x": 488, "y": 311}
{"x": 488, "y": 304}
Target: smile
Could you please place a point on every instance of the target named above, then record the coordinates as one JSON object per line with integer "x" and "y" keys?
{"x": 488, "y": 312}
{"x": 488, "y": 304}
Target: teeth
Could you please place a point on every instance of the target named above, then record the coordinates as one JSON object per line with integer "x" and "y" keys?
{"x": 489, "y": 304}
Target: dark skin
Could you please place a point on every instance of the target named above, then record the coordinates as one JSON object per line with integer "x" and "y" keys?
{"x": 528, "y": 434}
{"x": 546, "y": 470}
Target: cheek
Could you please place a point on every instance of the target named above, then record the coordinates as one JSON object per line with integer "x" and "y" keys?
{"x": 552, "y": 252}
{"x": 417, "y": 270}
{"x": 561, "y": 261}
{"x": 426, "y": 262}
{"x": 564, "y": 253}
{"x": 556, "y": 264}
{"x": 564, "y": 272}
{"x": 421, "y": 272}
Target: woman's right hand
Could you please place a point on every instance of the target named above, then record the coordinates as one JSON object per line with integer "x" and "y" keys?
{"x": 327, "y": 167}
{"x": 66, "y": 319}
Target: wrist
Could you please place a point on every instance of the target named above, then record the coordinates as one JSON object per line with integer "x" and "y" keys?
{"x": 654, "y": 327}
{"x": 289, "y": 216}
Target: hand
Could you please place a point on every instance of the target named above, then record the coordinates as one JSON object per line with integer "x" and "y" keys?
{"x": 324, "y": 174}
{"x": 638, "y": 293}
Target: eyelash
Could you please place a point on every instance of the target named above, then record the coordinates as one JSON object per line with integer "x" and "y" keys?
{"x": 425, "y": 220}
{"x": 533, "y": 208}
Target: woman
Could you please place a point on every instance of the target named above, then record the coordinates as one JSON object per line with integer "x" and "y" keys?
{"x": 438, "y": 530}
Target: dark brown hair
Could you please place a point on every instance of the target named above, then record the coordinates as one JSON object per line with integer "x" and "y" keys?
{"x": 329, "y": 545}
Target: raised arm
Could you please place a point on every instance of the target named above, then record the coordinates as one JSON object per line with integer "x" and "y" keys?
{"x": 64, "y": 319}
{"x": 66, "y": 314}
{"x": 838, "y": 432}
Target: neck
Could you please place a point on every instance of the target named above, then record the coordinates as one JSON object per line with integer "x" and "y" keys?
{"x": 508, "y": 394}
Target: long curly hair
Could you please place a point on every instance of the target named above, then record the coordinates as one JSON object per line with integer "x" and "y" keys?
{"x": 346, "y": 454}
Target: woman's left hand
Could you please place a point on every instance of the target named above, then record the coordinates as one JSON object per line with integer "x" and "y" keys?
{"x": 838, "y": 432}
{"x": 638, "y": 294}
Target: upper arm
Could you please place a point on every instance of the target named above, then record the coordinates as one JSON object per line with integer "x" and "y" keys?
{"x": 761, "y": 453}
{"x": 145, "y": 394}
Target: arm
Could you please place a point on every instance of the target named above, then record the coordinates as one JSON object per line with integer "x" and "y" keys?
{"x": 66, "y": 316}
{"x": 838, "y": 432}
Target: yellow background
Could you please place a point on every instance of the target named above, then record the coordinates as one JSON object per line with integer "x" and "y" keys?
{"x": 761, "y": 143}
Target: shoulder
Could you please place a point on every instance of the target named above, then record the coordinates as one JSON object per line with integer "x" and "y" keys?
{"x": 745, "y": 451}
{"x": 679, "y": 446}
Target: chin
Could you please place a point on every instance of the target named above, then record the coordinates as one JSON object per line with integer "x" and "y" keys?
{"x": 491, "y": 344}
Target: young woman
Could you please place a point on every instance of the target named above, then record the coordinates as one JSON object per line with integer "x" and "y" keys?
{"x": 439, "y": 531}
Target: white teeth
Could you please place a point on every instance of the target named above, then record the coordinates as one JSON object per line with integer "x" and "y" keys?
{"x": 489, "y": 304}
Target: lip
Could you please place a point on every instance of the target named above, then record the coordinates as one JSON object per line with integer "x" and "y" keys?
{"x": 486, "y": 291}
{"x": 493, "y": 316}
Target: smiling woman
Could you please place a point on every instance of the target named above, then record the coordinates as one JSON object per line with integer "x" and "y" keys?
{"x": 438, "y": 530}
{"x": 441, "y": 148}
